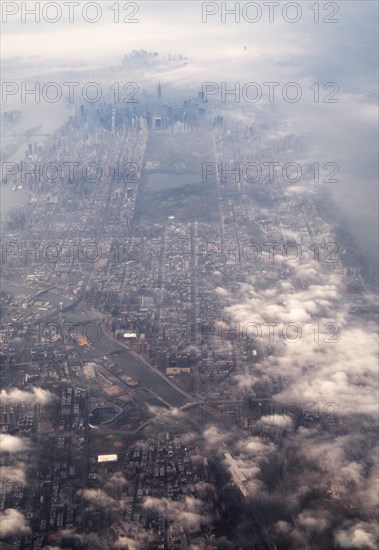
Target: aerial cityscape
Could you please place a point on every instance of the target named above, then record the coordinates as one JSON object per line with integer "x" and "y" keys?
{"x": 189, "y": 351}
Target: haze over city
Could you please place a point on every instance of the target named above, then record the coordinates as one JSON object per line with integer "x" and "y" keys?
{"x": 189, "y": 275}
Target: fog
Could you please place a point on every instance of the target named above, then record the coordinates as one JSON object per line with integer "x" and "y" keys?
{"x": 304, "y": 52}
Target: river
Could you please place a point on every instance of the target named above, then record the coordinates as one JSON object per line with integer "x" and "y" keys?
{"x": 129, "y": 364}
{"x": 135, "y": 368}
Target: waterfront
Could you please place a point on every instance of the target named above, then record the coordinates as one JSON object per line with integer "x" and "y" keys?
{"x": 129, "y": 363}
{"x": 144, "y": 374}
{"x": 22, "y": 289}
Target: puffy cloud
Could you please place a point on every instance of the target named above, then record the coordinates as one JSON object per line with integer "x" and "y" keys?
{"x": 344, "y": 372}
{"x": 313, "y": 520}
{"x": 215, "y": 438}
{"x": 19, "y": 396}
{"x": 98, "y": 498}
{"x": 127, "y": 542}
{"x": 357, "y": 535}
{"x": 117, "y": 479}
{"x": 188, "y": 513}
{"x": 328, "y": 356}
{"x": 14, "y": 474}
{"x": 12, "y": 443}
{"x": 245, "y": 381}
{"x": 13, "y": 522}
{"x": 221, "y": 291}
{"x": 275, "y": 419}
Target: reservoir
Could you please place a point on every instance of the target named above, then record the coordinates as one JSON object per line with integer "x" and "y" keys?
{"x": 161, "y": 181}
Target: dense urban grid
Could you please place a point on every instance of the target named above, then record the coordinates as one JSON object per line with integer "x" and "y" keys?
{"x": 152, "y": 374}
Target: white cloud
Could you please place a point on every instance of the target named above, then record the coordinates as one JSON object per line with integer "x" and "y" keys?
{"x": 12, "y": 522}
{"x": 19, "y": 396}
{"x": 12, "y": 444}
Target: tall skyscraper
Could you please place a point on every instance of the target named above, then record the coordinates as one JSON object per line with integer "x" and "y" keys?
{"x": 159, "y": 91}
